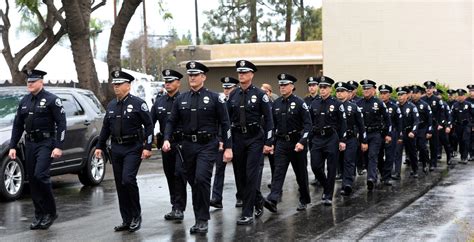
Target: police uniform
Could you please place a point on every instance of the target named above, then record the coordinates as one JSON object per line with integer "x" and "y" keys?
{"x": 200, "y": 113}
{"x": 43, "y": 119}
{"x": 409, "y": 123}
{"x": 438, "y": 119}
{"x": 329, "y": 130}
{"x": 443, "y": 137}
{"x": 172, "y": 163}
{"x": 246, "y": 108}
{"x": 355, "y": 135}
{"x": 453, "y": 141}
{"x": 425, "y": 127}
{"x": 360, "y": 161}
{"x": 292, "y": 125}
{"x": 462, "y": 117}
{"x": 471, "y": 125}
{"x": 308, "y": 100}
{"x": 377, "y": 125}
{"x": 355, "y": 99}
{"x": 387, "y": 154}
{"x": 218, "y": 185}
{"x": 124, "y": 122}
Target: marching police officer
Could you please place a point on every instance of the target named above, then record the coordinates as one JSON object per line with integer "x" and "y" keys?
{"x": 228, "y": 84}
{"x": 329, "y": 130}
{"x": 377, "y": 125}
{"x": 470, "y": 99}
{"x": 247, "y": 106}
{"x": 41, "y": 115}
{"x": 124, "y": 121}
{"x": 425, "y": 129}
{"x": 444, "y": 132}
{"x": 453, "y": 141}
{"x": 172, "y": 163}
{"x": 313, "y": 90}
{"x": 389, "y": 150}
{"x": 360, "y": 162}
{"x": 462, "y": 117}
{"x": 292, "y": 127}
{"x": 354, "y": 98}
{"x": 438, "y": 120}
{"x": 355, "y": 135}
{"x": 200, "y": 113}
{"x": 409, "y": 127}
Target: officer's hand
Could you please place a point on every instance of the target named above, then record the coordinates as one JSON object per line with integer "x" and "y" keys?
{"x": 364, "y": 147}
{"x": 342, "y": 146}
{"x": 12, "y": 154}
{"x": 166, "y": 146}
{"x": 388, "y": 139}
{"x": 56, "y": 153}
{"x": 98, "y": 153}
{"x": 428, "y": 136}
{"x": 399, "y": 141}
{"x": 146, "y": 154}
{"x": 440, "y": 127}
{"x": 299, "y": 147}
{"x": 267, "y": 149}
{"x": 411, "y": 135}
{"x": 447, "y": 130}
{"x": 228, "y": 155}
{"x": 221, "y": 146}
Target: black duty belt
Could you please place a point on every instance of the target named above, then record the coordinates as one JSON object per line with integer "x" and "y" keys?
{"x": 125, "y": 139}
{"x": 293, "y": 136}
{"x": 247, "y": 129}
{"x": 350, "y": 133}
{"x": 199, "y": 137}
{"x": 408, "y": 128}
{"x": 38, "y": 136}
{"x": 373, "y": 129}
{"x": 323, "y": 132}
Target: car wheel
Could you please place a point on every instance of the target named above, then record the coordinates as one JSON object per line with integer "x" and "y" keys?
{"x": 93, "y": 172}
{"x": 12, "y": 179}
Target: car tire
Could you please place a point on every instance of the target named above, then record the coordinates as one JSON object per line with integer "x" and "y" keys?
{"x": 12, "y": 179}
{"x": 93, "y": 172}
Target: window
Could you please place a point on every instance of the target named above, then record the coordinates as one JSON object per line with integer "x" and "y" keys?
{"x": 71, "y": 106}
{"x": 94, "y": 102}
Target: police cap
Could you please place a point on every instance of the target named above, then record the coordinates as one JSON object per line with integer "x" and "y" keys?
{"x": 245, "y": 66}
{"x": 325, "y": 81}
{"x": 312, "y": 80}
{"x": 451, "y": 92}
{"x": 285, "y": 78}
{"x": 119, "y": 77}
{"x": 343, "y": 86}
{"x": 229, "y": 82}
{"x": 194, "y": 67}
{"x": 429, "y": 84}
{"x": 439, "y": 91}
{"x": 385, "y": 88}
{"x": 34, "y": 75}
{"x": 171, "y": 75}
{"x": 402, "y": 90}
{"x": 366, "y": 84}
{"x": 353, "y": 83}
{"x": 461, "y": 92}
{"x": 470, "y": 87}
{"x": 417, "y": 89}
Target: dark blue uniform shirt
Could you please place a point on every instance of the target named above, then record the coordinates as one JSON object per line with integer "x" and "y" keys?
{"x": 462, "y": 113}
{"x": 291, "y": 116}
{"x": 437, "y": 110}
{"x": 329, "y": 114}
{"x": 355, "y": 121}
{"x": 376, "y": 116}
{"x": 41, "y": 113}
{"x": 395, "y": 114}
{"x": 424, "y": 110}
{"x": 410, "y": 118}
{"x": 162, "y": 109}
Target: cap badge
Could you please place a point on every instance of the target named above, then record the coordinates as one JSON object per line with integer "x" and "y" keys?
{"x": 116, "y": 74}
{"x": 29, "y": 72}
{"x": 322, "y": 78}
{"x": 311, "y": 78}
{"x": 282, "y": 76}
{"x": 226, "y": 79}
{"x": 192, "y": 65}
{"x": 242, "y": 63}
{"x": 167, "y": 72}
{"x": 339, "y": 85}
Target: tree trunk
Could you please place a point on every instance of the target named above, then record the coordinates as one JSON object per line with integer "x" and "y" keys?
{"x": 253, "y": 21}
{"x": 289, "y": 13}
{"x": 302, "y": 30}
{"x": 116, "y": 37}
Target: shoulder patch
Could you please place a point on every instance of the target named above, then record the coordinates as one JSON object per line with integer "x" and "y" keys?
{"x": 58, "y": 102}
{"x": 265, "y": 98}
{"x": 221, "y": 98}
{"x": 144, "y": 107}
{"x": 305, "y": 107}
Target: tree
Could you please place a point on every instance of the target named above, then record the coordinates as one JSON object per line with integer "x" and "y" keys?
{"x": 313, "y": 25}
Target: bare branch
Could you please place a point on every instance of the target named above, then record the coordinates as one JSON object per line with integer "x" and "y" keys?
{"x": 98, "y": 5}
{"x": 44, "y": 49}
{"x": 53, "y": 10}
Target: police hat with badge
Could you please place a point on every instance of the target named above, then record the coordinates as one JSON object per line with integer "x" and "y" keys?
{"x": 439, "y": 92}
{"x": 171, "y": 75}
{"x": 367, "y": 84}
{"x": 343, "y": 86}
{"x": 402, "y": 90}
{"x": 417, "y": 89}
{"x": 229, "y": 82}
{"x": 34, "y": 75}
{"x": 470, "y": 87}
{"x": 195, "y": 68}
{"x": 429, "y": 84}
{"x": 461, "y": 92}
{"x": 385, "y": 88}
{"x": 354, "y": 84}
{"x": 451, "y": 92}
{"x": 119, "y": 77}
{"x": 312, "y": 80}
{"x": 244, "y": 66}
{"x": 285, "y": 79}
{"x": 325, "y": 81}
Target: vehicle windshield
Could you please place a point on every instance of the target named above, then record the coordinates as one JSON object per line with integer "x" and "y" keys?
{"x": 8, "y": 106}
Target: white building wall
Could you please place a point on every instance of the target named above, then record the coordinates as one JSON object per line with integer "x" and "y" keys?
{"x": 399, "y": 41}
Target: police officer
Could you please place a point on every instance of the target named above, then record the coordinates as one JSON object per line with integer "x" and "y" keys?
{"x": 247, "y": 106}
{"x": 292, "y": 127}
{"x": 313, "y": 90}
{"x": 329, "y": 130}
{"x": 355, "y": 135}
{"x": 360, "y": 161}
{"x": 462, "y": 117}
{"x": 470, "y": 99}
{"x": 387, "y": 152}
{"x": 453, "y": 141}
{"x": 353, "y": 97}
{"x": 200, "y": 113}
{"x": 172, "y": 163}
{"x": 409, "y": 127}
{"x": 378, "y": 127}
{"x": 438, "y": 120}
{"x": 425, "y": 129}
{"x": 446, "y": 129}
{"x": 228, "y": 84}
{"x": 41, "y": 115}
{"x": 124, "y": 121}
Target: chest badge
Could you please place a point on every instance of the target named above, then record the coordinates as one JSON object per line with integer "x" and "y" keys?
{"x": 349, "y": 108}
{"x": 130, "y": 108}
{"x": 421, "y": 106}
{"x": 331, "y": 108}
{"x": 205, "y": 100}
{"x": 253, "y": 99}
{"x": 390, "y": 110}
{"x": 376, "y": 106}
{"x": 293, "y": 105}
{"x": 42, "y": 102}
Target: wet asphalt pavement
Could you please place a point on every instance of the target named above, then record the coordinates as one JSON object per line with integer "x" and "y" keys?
{"x": 437, "y": 206}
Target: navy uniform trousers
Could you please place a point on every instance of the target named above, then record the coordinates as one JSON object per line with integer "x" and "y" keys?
{"x": 434, "y": 145}
{"x": 248, "y": 167}
{"x": 350, "y": 158}
{"x": 444, "y": 142}
{"x": 173, "y": 168}
{"x": 198, "y": 163}
{"x": 126, "y": 160}
{"x": 38, "y": 165}
{"x": 463, "y": 133}
{"x": 325, "y": 149}
{"x": 410, "y": 149}
{"x": 218, "y": 185}
{"x": 387, "y": 157}
{"x": 421, "y": 146}
{"x": 374, "y": 141}
{"x": 284, "y": 155}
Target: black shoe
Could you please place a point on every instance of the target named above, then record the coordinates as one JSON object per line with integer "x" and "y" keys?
{"x": 327, "y": 202}
{"x": 396, "y": 177}
{"x": 438, "y": 157}
{"x": 216, "y": 204}
{"x": 135, "y": 224}
{"x": 314, "y": 182}
{"x": 199, "y": 228}
{"x": 174, "y": 215}
{"x": 370, "y": 185}
{"x": 245, "y": 220}
{"x": 239, "y": 203}
{"x": 415, "y": 174}
{"x": 471, "y": 158}
{"x": 258, "y": 211}
{"x": 432, "y": 168}
{"x": 269, "y": 185}
{"x": 346, "y": 191}
{"x": 36, "y": 222}
{"x": 47, "y": 221}
{"x": 301, "y": 206}
{"x": 463, "y": 161}
{"x": 425, "y": 170}
{"x": 387, "y": 183}
{"x": 361, "y": 172}
{"x": 124, "y": 226}
{"x": 270, "y": 205}
{"x": 338, "y": 177}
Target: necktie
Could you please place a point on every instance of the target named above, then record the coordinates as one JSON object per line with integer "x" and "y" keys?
{"x": 30, "y": 117}
{"x": 194, "y": 106}
{"x": 118, "y": 121}
{"x": 242, "y": 120}
{"x": 284, "y": 117}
